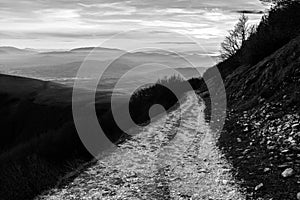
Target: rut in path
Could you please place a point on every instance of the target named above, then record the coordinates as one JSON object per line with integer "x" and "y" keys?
{"x": 174, "y": 157}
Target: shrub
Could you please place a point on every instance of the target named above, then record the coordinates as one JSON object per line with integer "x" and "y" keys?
{"x": 165, "y": 92}
{"x": 276, "y": 29}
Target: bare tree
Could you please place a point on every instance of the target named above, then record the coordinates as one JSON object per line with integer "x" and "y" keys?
{"x": 272, "y": 1}
{"x": 236, "y": 38}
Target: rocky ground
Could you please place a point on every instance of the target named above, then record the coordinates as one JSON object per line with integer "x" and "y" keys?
{"x": 261, "y": 136}
{"x": 263, "y": 146}
{"x": 174, "y": 157}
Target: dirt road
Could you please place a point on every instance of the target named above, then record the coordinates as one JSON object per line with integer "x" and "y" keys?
{"x": 174, "y": 157}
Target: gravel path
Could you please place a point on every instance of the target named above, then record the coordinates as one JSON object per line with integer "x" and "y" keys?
{"x": 172, "y": 158}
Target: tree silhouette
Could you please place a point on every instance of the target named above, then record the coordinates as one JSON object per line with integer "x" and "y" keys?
{"x": 236, "y": 38}
{"x": 277, "y": 2}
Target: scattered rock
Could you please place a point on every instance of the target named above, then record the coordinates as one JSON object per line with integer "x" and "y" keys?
{"x": 226, "y": 170}
{"x": 285, "y": 151}
{"x": 288, "y": 172}
{"x": 225, "y": 182}
{"x": 203, "y": 171}
{"x": 238, "y": 140}
{"x": 271, "y": 147}
{"x": 282, "y": 166}
{"x": 118, "y": 181}
{"x": 258, "y": 186}
{"x": 267, "y": 169}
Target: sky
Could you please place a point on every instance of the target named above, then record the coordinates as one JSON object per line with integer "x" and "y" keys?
{"x": 124, "y": 24}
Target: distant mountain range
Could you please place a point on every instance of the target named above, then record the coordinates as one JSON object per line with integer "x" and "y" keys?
{"x": 62, "y": 65}
{"x": 14, "y": 50}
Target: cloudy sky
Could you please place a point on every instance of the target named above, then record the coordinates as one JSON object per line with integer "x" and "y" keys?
{"x": 65, "y": 24}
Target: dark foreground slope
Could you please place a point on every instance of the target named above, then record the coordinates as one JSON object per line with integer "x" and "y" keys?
{"x": 39, "y": 143}
{"x": 38, "y": 140}
{"x": 261, "y": 137}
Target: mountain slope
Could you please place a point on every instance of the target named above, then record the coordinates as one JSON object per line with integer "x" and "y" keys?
{"x": 261, "y": 137}
{"x": 38, "y": 140}
{"x": 270, "y": 79}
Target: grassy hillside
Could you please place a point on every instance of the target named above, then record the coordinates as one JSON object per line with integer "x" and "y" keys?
{"x": 38, "y": 139}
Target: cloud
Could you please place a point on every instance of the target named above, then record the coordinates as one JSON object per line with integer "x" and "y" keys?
{"x": 206, "y": 20}
{"x": 82, "y": 35}
{"x": 259, "y": 12}
{"x": 176, "y": 43}
{"x": 57, "y": 14}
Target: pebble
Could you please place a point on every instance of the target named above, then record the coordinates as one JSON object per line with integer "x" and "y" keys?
{"x": 285, "y": 151}
{"x": 225, "y": 182}
{"x": 267, "y": 169}
{"x": 287, "y": 173}
{"x": 202, "y": 171}
{"x": 282, "y": 166}
{"x": 271, "y": 147}
{"x": 258, "y": 186}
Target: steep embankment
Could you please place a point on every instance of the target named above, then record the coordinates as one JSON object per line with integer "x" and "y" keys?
{"x": 261, "y": 137}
